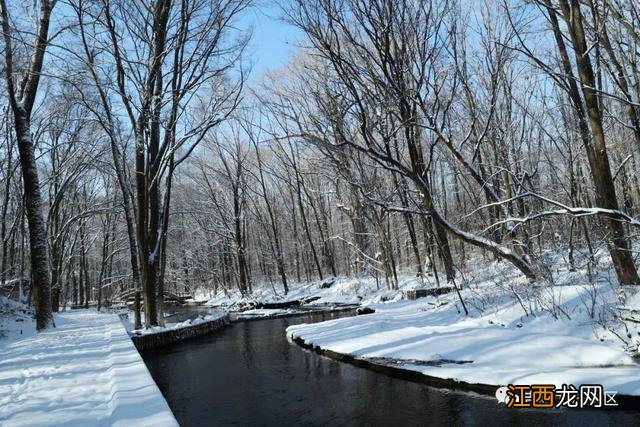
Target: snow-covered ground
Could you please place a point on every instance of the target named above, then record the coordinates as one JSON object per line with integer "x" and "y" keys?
{"x": 85, "y": 371}
{"x": 266, "y": 312}
{"x": 567, "y": 328}
{"x": 176, "y": 325}
{"x": 342, "y": 291}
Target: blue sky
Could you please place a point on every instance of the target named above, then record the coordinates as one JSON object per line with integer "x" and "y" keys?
{"x": 273, "y": 42}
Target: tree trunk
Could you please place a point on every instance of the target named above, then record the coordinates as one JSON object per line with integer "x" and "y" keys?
{"x": 619, "y": 247}
{"x": 40, "y": 281}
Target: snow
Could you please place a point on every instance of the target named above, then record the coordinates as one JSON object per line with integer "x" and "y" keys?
{"x": 15, "y": 320}
{"x": 343, "y": 291}
{"x": 266, "y": 312}
{"x": 85, "y": 371}
{"x": 564, "y": 331}
{"x": 178, "y": 325}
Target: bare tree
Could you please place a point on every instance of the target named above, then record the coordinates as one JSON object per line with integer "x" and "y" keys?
{"x": 173, "y": 91}
{"x": 582, "y": 88}
{"x": 22, "y": 98}
{"x": 369, "y": 47}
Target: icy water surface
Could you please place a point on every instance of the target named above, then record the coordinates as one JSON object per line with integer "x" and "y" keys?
{"x": 249, "y": 374}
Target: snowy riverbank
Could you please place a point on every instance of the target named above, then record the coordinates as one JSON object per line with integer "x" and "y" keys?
{"x": 85, "y": 371}
{"x": 327, "y": 292}
{"x": 570, "y": 331}
{"x": 174, "y": 326}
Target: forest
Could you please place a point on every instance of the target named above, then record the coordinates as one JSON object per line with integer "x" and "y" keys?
{"x": 140, "y": 156}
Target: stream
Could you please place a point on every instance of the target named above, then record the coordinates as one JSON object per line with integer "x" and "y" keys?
{"x": 250, "y": 374}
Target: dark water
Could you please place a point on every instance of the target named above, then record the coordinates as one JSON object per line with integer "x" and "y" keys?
{"x": 249, "y": 374}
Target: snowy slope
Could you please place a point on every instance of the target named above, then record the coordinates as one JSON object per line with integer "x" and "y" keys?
{"x": 409, "y": 334}
{"x": 568, "y": 330}
{"x": 85, "y": 371}
{"x": 342, "y": 291}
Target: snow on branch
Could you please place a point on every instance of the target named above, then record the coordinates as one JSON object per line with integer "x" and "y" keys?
{"x": 514, "y": 222}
